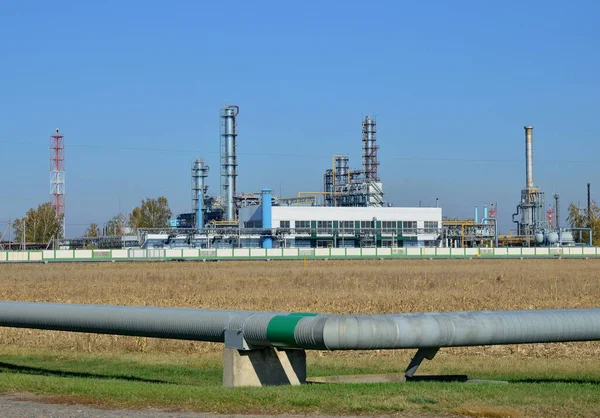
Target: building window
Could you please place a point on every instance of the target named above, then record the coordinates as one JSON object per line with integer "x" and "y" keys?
{"x": 409, "y": 227}
{"x": 346, "y": 226}
{"x": 324, "y": 244}
{"x": 302, "y": 227}
{"x": 324, "y": 227}
{"x": 284, "y": 224}
{"x": 366, "y": 224}
{"x": 431, "y": 227}
{"x": 388, "y": 227}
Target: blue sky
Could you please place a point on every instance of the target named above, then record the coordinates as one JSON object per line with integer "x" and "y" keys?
{"x": 136, "y": 88}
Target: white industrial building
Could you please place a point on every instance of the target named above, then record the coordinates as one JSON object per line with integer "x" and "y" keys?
{"x": 319, "y": 226}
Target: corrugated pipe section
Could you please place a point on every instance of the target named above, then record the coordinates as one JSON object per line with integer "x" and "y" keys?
{"x": 313, "y": 331}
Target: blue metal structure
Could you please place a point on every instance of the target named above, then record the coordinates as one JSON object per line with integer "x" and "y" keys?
{"x": 267, "y": 222}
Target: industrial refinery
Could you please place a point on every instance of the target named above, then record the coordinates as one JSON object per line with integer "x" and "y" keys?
{"x": 349, "y": 212}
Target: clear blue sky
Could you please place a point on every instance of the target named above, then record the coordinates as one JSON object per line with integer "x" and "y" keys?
{"x": 136, "y": 88}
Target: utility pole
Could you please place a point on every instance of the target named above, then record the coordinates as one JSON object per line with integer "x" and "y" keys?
{"x": 589, "y": 207}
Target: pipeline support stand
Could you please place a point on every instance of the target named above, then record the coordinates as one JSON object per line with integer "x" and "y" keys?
{"x": 265, "y": 367}
{"x": 422, "y": 354}
{"x": 246, "y": 365}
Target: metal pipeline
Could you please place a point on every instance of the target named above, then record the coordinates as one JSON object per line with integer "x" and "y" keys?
{"x": 313, "y": 331}
{"x": 517, "y": 222}
{"x": 170, "y": 323}
{"x": 495, "y": 229}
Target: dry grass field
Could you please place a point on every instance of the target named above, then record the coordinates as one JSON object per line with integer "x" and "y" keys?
{"x": 315, "y": 286}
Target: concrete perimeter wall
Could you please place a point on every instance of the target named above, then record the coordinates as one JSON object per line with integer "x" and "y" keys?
{"x": 291, "y": 253}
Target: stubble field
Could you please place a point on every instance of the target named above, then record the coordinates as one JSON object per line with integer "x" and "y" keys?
{"x": 117, "y": 371}
{"x": 315, "y": 286}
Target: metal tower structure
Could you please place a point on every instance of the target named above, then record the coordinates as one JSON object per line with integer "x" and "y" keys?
{"x": 374, "y": 188}
{"x": 369, "y": 156}
{"x": 341, "y": 178}
{"x": 199, "y": 189}
{"x": 557, "y": 210}
{"x": 355, "y": 188}
{"x": 328, "y": 187}
{"x": 493, "y": 210}
{"x": 57, "y": 176}
{"x": 341, "y": 171}
{"x": 532, "y": 203}
{"x": 550, "y": 217}
{"x": 229, "y": 159}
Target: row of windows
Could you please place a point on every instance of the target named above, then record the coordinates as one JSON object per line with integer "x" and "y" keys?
{"x": 253, "y": 224}
{"x": 327, "y": 226}
{"x": 363, "y": 224}
{"x": 386, "y": 226}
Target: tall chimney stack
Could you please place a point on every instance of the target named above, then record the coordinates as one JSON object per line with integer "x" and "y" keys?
{"x": 529, "y": 156}
{"x": 589, "y": 208}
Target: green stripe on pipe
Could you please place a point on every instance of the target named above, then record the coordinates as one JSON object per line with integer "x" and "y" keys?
{"x": 280, "y": 329}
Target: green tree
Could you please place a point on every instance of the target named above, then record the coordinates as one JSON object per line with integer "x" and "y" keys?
{"x": 579, "y": 218}
{"x": 40, "y": 225}
{"x": 93, "y": 231}
{"x": 116, "y": 226}
{"x": 152, "y": 213}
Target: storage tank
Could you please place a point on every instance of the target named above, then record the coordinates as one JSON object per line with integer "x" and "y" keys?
{"x": 539, "y": 238}
{"x": 567, "y": 238}
{"x": 552, "y": 238}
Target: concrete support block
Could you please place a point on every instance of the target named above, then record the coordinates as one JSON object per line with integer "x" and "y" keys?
{"x": 270, "y": 366}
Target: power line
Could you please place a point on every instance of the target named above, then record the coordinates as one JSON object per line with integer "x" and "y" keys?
{"x": 296, "y": 155}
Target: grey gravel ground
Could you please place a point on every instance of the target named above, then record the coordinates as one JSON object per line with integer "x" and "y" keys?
{"x": 27, "y": 405}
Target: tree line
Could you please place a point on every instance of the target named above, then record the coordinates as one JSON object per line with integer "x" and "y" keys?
{"x": 43, "y": 224}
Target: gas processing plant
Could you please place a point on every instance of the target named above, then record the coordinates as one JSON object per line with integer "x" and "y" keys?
{"x": 350, "y": 211}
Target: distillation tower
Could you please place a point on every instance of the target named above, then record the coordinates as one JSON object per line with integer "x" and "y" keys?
{"x": 229, "y": 159}
{"x": 371, "y": 164}
{"x": 531, "y": 207}
{"x": 199, "y": 189}
{"x": 357, "y": 188}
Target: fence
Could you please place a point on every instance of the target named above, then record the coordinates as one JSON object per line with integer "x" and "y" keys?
{"x": 132, "y": 254}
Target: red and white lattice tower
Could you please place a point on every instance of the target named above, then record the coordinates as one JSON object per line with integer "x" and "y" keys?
{"x": 57, "y": 175}
{"x": 550, "y": 217}
{"x": 493, "y": 210}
